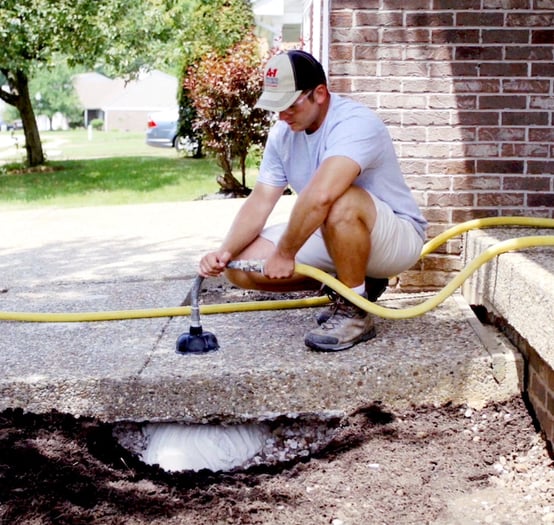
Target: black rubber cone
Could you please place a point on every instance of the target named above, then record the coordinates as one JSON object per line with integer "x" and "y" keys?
{"x": 196, "y": 341}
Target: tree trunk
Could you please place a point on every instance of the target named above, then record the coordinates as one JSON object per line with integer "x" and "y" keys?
{"x": 242, "y": 160}
{"x": 227, "y": 181}
{"x": 19, "y": 86}
{"x": 198, "y": 153}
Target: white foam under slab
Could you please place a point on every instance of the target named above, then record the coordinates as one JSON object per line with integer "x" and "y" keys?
{"x": 176, "y": 447}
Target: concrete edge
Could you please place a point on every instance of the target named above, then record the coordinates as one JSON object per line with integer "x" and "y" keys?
{"x": 516, "y": 290}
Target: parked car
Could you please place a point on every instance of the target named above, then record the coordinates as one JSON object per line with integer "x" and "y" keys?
{"x": 162, "y": 132}
{"x": 6, "y": 126}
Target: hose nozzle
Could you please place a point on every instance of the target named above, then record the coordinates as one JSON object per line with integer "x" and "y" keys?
{"x": 254, "y": 265}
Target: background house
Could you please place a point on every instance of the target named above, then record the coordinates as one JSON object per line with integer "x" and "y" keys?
{"x": 279, "y": 21}
{"x": 124, "y": 105}
{"x": 295, "y": 23}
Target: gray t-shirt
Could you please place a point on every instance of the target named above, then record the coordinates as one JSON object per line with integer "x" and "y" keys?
{"x": 349, "y": 130}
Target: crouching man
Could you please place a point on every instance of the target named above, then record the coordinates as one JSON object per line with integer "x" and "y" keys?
{"x": 354, "y": 215}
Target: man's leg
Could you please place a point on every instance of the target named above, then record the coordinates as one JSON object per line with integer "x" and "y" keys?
{"x": 347, "y": 234}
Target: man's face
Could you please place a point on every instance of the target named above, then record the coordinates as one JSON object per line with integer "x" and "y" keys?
{"x": 303, "y": 114}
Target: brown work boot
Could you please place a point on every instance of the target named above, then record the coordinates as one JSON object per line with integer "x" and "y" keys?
{"x": 347, "y": 326}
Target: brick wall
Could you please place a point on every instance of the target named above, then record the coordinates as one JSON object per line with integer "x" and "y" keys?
{"x": 466, "y": 88}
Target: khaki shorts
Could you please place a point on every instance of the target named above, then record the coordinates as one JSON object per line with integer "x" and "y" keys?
{"x": 395, "y": 245}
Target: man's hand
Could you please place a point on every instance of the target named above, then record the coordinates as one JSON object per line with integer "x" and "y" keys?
{"x": 213, "y": 263}
{"x": 278, "y": 266}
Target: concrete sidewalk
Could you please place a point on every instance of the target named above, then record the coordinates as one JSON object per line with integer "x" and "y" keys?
{"x": 130, "y": 257}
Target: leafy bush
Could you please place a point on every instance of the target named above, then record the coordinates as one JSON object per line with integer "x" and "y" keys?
{"x": 224, "y": 90}
{"x": 213, "y": 26}
{"x": 97, "y": 124}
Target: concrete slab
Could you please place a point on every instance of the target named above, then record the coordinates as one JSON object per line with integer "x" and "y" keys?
{"x": 61, "y": 365}
{"x": 264, "y": 369}
{"x": 516, "y": 291}
{"x": 145, "y": 257}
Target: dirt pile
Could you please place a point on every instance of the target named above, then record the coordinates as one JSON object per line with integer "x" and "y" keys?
{"x": 428, "y": 465}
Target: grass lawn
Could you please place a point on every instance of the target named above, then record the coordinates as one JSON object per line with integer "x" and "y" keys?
{"x": 105, "y": 169}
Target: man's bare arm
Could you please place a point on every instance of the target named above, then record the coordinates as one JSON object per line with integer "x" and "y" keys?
{"x": 245, "y": 228}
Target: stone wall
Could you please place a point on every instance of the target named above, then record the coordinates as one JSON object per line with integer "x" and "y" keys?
{"x": 466, "y": 88}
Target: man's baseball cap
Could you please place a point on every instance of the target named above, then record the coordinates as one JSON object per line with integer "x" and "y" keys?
{"x": 286, "y": 75}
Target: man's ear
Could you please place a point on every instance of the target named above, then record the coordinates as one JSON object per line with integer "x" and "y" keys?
{"x": 320, "y": 93}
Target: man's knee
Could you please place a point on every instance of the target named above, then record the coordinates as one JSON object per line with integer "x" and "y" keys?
{"x": 354, "y": 206}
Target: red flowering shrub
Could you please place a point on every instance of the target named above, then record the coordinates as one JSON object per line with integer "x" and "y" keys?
{"x": 224, "y": 90}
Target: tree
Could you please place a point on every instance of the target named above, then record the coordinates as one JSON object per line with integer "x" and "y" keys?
{"x": 53, "y": 92}
{"x": 213, "y": 26}
{"x": 216, "y": 26}
{"x": 224, "y": 91}
{"x": 119, "y": 35}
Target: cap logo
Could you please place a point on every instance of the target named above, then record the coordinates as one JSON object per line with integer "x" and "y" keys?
{"x": 271, "y": 79}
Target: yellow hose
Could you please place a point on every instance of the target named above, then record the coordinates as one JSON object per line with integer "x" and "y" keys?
{"x": 389, "y": 313}
{"x": 509, "y": 245}
{"x": 479, "y": 224}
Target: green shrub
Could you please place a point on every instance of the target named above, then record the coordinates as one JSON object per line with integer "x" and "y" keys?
{"x": 97, "y": 124}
